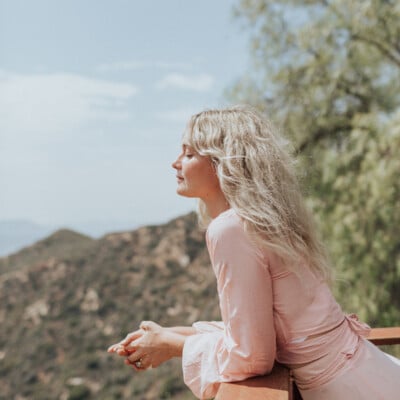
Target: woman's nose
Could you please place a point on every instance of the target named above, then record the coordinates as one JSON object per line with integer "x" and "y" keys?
{"x": 176, "y": 163}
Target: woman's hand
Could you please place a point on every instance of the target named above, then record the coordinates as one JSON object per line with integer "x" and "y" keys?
{"x": 119, "y": 347}
{"x": 149, "y": 346}
{"x": 152, "y": 346}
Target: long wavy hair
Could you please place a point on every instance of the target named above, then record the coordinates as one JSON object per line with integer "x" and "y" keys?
{"x": 257, "y": 176}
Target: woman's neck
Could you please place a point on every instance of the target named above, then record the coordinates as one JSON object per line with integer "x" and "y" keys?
{"x": 216, "y": 207}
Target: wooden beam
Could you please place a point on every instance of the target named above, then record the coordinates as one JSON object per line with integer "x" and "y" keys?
{"x": 275, "y": 386}
{"x": 383, "y": 336}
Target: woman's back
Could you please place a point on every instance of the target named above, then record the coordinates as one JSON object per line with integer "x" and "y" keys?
{"x": 303, "y": 304}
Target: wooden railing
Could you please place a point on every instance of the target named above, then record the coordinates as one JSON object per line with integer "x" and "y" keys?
{"x": 383, "y": 336}
{"x": 279, "y": 385}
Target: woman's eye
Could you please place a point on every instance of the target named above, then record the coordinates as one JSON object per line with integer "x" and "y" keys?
{"x": 189, "y": 155}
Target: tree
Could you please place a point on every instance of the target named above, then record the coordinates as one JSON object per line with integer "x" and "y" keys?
{"x": 328, "y": 72}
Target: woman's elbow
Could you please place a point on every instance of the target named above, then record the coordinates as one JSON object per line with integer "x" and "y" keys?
{"x": 264, "y": 367}
{"x": 245, "y": 368}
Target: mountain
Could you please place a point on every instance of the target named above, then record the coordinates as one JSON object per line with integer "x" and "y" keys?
{"x": 59, "y": 244}
{"x": 66, "y": 298}
{"x": 15, "y": 234}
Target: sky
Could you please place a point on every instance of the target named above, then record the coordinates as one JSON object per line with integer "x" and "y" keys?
{"x": 94, "y": 98}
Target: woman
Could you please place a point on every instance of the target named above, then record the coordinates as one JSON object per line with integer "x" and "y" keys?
{"x": 272, "y": 275}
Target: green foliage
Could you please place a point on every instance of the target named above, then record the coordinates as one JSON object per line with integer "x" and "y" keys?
{"x": 328, "y": 73}
{"x": 170, "y": 387}
{"x": 79, "y": 392}
{"x": 362, "y": 220}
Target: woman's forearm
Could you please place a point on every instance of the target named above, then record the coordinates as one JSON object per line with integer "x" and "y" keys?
{"x": 174, "y": 342}
{"x": 182, "y": 330}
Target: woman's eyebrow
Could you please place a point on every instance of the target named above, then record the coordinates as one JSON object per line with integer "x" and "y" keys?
{"x": 186, "y": 146}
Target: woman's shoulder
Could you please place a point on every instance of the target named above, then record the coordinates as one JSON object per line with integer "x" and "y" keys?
{"x": 225, "y": 224}
{"x": 227, "y": 235}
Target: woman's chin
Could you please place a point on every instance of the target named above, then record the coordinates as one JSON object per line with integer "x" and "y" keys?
{"x": 181, "y": 192}
{"x": 184, "y": 193}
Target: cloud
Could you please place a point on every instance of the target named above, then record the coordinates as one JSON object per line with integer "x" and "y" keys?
{"x": 58, "y": 102}
{"x": 197, "y": 83}
{"x": 135, "y": 65}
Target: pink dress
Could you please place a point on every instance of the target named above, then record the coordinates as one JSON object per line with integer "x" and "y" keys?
{"x": 269, "y": 313}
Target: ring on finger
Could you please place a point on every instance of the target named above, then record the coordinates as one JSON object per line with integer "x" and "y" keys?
{"x": 139, "y": 363}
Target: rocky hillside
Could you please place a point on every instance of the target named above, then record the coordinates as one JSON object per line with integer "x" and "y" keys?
{"x": 65, "y": 299}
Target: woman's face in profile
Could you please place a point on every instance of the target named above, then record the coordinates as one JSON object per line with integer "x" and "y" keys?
{"x": 195, "y": 175}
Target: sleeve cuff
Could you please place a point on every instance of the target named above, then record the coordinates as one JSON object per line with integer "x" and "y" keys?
{"x": 208, "y": 326}
{"x": 200, "y": 369}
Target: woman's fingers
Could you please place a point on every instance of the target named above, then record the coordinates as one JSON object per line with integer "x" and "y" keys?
{"x": 114, "y": 348}
{"x": 131, "y": 337}
{"x": 134, "y": 345}
{"x": 148, "y": 325}
{"x": 123, "y": 352}
{"x": 139, "y": 363}
{"x": 144, "y": 326}
{"x": 120, "y": 350}
{"x": 134, "y": 356}
{"x": 133, "y": 365}
{"x": 125, "y": 347}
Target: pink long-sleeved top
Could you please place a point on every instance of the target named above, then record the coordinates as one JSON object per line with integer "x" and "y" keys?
{"x": 268, "y": 313}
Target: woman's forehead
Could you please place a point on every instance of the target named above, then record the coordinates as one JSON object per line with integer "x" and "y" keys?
{"x": 190, "y": 138}
{"x": 187, "y": 140}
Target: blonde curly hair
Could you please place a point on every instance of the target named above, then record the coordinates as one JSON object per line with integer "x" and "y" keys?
{"x": 257, "y": 176}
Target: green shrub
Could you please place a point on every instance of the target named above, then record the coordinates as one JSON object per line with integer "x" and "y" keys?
{"x": 79, "y": 392}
